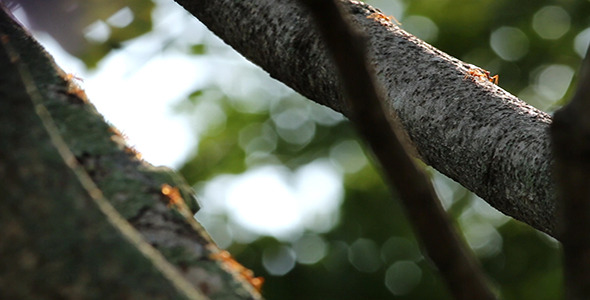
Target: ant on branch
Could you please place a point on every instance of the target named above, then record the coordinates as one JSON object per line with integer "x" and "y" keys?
{"x": 482, "y": 74}
{"x": 381, "y": 17}
{"x": 226, "y": 258}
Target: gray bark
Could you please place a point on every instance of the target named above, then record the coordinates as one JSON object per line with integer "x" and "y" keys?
{"x": 466, "y": 127}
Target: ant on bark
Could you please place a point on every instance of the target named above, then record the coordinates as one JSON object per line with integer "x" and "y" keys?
{"x": 482, "y": 74}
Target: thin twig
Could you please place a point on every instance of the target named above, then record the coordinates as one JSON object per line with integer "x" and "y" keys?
{"x": 442, "y": 243}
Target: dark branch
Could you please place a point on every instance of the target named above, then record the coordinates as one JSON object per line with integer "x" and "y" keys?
{"x": 439, "y": 238}
{"x": 571, "y": 146}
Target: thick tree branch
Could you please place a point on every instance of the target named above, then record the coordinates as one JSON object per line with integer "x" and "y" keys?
{"x": 454, "y": 262}
{"x": 571, "y": 147}
{"x": 61, "y": 239}
{"x": 469, "y": 129}
{"x": 151, "y": 199}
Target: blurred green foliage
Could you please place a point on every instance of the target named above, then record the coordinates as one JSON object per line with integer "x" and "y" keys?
{"x": 134, "y": 20}
{"x": 370, "y": 251}
{"x": 89, "y": 29}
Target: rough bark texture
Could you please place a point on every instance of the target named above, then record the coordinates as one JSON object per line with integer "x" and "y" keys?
{"x": 464, "y": 126}
{"x": 56, "y": 240}
{"x": 55, "y": 180}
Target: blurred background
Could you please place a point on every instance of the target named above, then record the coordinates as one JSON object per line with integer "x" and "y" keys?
{"x": 284, "y": 183}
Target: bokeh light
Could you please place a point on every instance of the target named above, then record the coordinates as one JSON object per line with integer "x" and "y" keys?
{"x": 402, "y": 276}
{"x": 510, "y": 43}
{"x": 551, "y": 22}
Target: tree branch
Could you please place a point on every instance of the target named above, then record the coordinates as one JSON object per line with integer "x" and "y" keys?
{"x": 153, "y": 200}
{"x": 61, "y": 239}
{"x": 469, "y": 129}
{"x": 571, "y": 147}
{"x": 441, "y": 241}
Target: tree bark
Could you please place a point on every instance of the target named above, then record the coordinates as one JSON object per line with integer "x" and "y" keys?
{"x": 70, "y": 190}
{"x": 463, "y": 125}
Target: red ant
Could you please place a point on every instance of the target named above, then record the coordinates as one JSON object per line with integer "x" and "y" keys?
{"x": 173, "y": 195}
{"x": 246, "y": 274}
{"x": 482, "y": 75}
{"x": 381, "y": 17}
